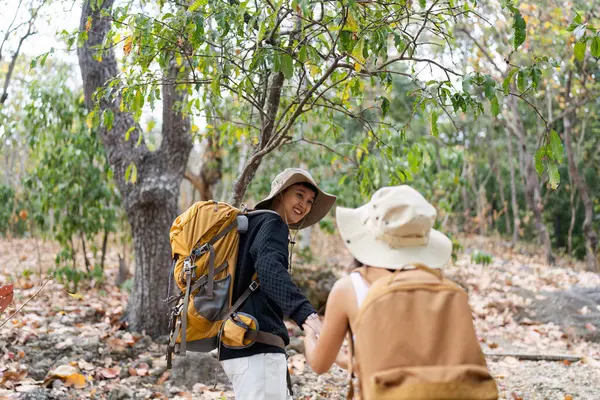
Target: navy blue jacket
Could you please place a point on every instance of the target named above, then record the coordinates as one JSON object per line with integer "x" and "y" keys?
{"x": 264, "y": 249}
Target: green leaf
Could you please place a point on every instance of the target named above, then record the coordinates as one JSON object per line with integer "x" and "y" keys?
{"x": 385, "y": 106}
{"x": 466, "y": 83}
{"x": 434, "y": 125}
{"x": 506, "y": 82}
{"x": 357, "y": 52}
{"x": 215, "y": 85}
{"x": 539, "y": 160}
{"x": 288, "y": 66}
{"x": 128, "y": 133}
{"x": 283, "y": 62}
{"x": 495, "y": 106}
{"x": 303, "y": 54}
{"x": 579, "y": 50}
{"x": 107, "y": 119}
{"x": 521, "y": 80}
{"x": 131, "y": 173}
{"x": 423, "y": 3}
{"x": 89, "y": 121}
{"x": 197, "y": 4}
{"x": 489, "y": 87}
{"x": 554, "y": 175}
{"x": 579, "y": 33}
{"x": 535, "y": 75}
{"x": 519, "y": 30}
{"x": 556, "y": 147}
{"x": 595, "y": 47}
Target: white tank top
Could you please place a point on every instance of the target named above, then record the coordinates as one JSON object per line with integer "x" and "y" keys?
{"x": 360, "y": 287}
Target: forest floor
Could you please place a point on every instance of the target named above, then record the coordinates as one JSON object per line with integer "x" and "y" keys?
{"x": 73, "y": 346}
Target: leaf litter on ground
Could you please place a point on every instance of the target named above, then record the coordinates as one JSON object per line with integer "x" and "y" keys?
{"x": 76, "y": 347}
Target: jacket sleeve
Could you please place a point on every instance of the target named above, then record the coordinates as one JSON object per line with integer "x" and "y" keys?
{"x": 270, "y": 254}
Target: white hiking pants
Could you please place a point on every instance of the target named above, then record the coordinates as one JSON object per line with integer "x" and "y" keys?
{"x": 258, "y": 377}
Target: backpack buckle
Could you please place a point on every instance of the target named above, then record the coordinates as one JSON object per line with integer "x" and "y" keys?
{"x": 188, "y": 267}
{"x": 253, "y": 286}
{"x": 201, "y": 250}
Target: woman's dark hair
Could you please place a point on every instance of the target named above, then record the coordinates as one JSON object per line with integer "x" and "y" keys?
{"x": 355, "y": 264}
{"x": 306, "y": 185}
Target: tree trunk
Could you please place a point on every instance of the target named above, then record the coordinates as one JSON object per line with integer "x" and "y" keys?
{"x": 503, "y": 199}
{"x": 84, "y": 250}
{"x": 513, "y": 190}
{"x": 104, "y": 244}
{"x": 591, "y": 237}
{"x": 273, "y": 101}
{"x": 210, "y": 171}
{"x": 150, "y": 203}
{"x": 532, "y": 185}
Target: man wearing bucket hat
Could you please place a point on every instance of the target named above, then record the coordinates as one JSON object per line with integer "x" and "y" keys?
{"x": 260, "y": 371}
{"x": 413, "y": 329}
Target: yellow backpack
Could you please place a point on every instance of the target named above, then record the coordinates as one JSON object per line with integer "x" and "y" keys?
{"x": 204, "y": 244}
{"x": 413, "y": 339}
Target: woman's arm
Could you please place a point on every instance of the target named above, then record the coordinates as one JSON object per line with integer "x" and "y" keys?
{"x": 321, "y": 352}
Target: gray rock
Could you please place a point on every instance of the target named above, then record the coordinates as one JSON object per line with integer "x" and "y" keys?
{"x": 39, "y": 370}
{"x": 564, "y": 309}
{"x": 197, "y": 368}
{"x": 39, "y": 394}
{"x": 296, "y": 344}
{"x": 120, "y": 393}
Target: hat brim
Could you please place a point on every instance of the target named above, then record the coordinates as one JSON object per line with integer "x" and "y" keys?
{"x": 319, "y": 209}
{"x": 364, "y": 246}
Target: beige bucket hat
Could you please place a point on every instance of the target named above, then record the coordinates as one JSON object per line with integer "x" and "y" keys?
{"x": 394, "y": 230}
{"x": 290, "y": 176}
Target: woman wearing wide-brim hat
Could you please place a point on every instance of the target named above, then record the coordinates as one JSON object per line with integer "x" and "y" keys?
{"x": 260, "y": 371}
{"x": 415, "y": 327}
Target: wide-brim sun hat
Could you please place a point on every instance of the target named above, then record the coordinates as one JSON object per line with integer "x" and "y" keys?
{"x": 291, "y": 176}
{"x": 394, "y": 230}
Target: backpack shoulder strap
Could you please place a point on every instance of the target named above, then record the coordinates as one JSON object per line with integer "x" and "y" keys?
{"x": 423, "y": 267}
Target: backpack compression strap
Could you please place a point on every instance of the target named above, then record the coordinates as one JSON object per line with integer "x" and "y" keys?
{"x": 257, "y": 336}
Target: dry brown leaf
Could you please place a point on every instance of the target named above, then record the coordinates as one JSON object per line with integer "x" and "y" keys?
{"x": 12, "y": 376}
{"x": 75, "y": 380}
{"x": 110, "y": 373}
{"x": 129, "y": 339}
{"x": 117, "y": 345}
{"x": 132, "y": 371}
{"x": 6, "y": 296}
{"x": 568, "y": 397}
{"x": 185, "y": 395}
{"x": 493, "y": 345}
{"x": 164, "y": 377}
{"x": 142, "y": 369}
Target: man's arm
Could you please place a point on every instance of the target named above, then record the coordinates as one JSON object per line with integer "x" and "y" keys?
{"x": 270, "y": 253}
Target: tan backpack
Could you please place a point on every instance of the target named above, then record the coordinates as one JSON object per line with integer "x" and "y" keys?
{"x": 204, "y": 245}
{"x": 414, "y": 339}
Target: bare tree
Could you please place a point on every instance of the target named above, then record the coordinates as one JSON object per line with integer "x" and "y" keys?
{"x": 591, "y": 237}
{"x": 23, "y": 29}
{"x": 151, "y": 202}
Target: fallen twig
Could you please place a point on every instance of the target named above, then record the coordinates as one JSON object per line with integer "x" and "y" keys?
{"x": 24, "y": 304}
{"x": 535, "y": 357}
